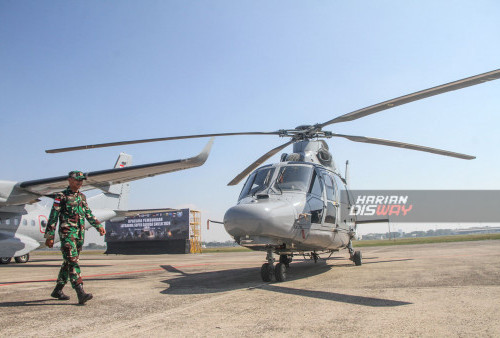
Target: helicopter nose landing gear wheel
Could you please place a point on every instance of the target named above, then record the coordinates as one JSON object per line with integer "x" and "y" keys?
{"x": 280, "y": 272}
{"x": 267, "y": 272}
{"x": 267, "y": 269}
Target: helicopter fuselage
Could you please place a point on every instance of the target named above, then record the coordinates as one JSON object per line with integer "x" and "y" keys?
{"x": 291, "y": 207}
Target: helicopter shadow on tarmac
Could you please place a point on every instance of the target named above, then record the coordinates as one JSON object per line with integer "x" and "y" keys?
{"x": 249, "y": 278}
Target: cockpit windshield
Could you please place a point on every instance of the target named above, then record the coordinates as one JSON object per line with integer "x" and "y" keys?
{"x": 259, "y": 181}
{"x": 294, "y": 178}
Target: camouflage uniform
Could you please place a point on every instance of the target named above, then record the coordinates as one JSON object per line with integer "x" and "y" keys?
{"x": 71, "y": 209}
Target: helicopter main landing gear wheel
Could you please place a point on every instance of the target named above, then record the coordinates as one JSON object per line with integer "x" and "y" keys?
{"x": 357, "y": 258}
{"x": 355, "y": 255}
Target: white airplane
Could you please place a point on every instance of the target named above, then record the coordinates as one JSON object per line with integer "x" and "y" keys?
{"x": 23, "y": 219}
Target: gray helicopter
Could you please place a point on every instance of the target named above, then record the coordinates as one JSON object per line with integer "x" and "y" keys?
{"x": 296, "y": 206}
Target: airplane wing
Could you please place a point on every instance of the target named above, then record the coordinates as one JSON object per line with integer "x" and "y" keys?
{"x": 102, "y": 179}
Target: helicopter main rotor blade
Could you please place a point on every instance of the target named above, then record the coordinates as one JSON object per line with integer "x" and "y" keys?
{"x": 121, "y": 143}
{"x": 404, "y": 145}
{"x": 257, "y": 163}
{"x": 470, "y": 81}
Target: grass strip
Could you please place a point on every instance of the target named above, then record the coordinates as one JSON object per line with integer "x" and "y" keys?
{"x": 426, "y": 240}
{"x": 357, "y": 244}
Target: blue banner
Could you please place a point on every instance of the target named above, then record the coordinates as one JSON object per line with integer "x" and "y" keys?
{"x": 153, "y": 226}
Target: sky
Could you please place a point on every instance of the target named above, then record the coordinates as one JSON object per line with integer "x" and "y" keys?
{"x": 85, "y": 72}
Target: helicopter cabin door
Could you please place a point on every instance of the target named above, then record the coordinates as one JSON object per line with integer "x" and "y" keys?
{"x": 331, "y": 202}
{"x": 315, "y": 199}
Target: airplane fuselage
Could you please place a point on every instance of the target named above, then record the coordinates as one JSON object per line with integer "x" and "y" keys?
{"x": 22, "y": 228}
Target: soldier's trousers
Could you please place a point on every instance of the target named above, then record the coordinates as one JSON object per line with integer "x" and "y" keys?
{"x": 70, "y": 269}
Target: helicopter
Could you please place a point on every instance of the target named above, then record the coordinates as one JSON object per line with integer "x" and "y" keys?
{"x": 296, "y": 206}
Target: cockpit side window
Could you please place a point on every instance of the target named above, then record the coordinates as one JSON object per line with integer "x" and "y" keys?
{"x": 331, "y": 209}
{"x": 247, "y": 186}
{"x": 330, "y": 187}
{"x": 294, "y": 178}
{"x": 316, "y": 187}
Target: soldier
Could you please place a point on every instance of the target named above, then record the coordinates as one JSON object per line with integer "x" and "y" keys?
{"x": 71, "y": 209}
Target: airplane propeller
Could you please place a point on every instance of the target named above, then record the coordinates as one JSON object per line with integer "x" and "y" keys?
{"x": 315, "y": 131}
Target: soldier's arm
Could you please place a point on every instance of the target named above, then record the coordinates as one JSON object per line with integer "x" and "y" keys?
{"x": 50, "y": 230}
{"x": 89, "y": 216}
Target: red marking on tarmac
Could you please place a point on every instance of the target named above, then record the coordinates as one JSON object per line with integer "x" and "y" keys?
{"x": 108, "y": 274}
{"x": 206, "y": 264}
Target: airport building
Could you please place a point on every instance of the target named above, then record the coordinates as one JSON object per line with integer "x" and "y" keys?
{"x": 167, "y": 232}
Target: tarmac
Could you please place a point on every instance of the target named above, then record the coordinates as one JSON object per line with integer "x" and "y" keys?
{"x": 446, "y": 290}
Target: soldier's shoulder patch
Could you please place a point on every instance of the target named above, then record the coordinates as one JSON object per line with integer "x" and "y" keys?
{"x": 58, "y": 198}
{"x": 57, "y": 201}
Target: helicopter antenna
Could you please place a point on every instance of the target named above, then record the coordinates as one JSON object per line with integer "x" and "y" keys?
{"x": 346, "y": 174}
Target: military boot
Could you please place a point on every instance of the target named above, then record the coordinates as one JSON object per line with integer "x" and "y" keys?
{"x": 58, "y": 293}
{"x": 82, "y": 296}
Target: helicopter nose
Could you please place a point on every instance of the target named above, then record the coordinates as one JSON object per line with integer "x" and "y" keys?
{"x": 270, "y": 218}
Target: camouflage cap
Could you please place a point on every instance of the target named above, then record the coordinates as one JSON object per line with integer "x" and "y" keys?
{"x": 77, "y": 175}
